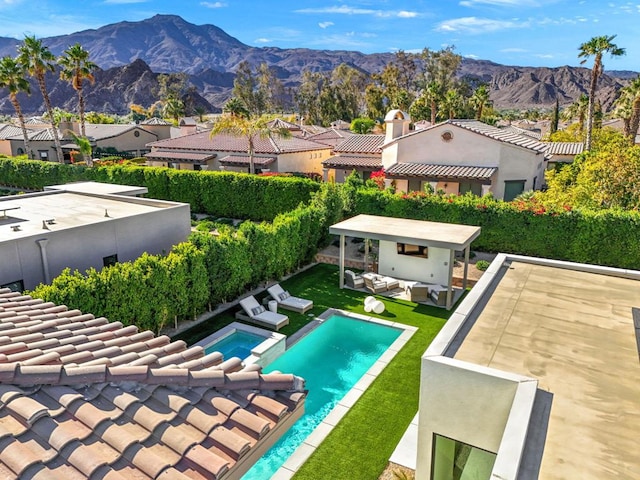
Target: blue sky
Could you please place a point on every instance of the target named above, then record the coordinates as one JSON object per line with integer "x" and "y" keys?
{"x": 511, "y": 32}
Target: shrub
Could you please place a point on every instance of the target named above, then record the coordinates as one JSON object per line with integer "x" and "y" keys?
{"x": 482, "y": 265}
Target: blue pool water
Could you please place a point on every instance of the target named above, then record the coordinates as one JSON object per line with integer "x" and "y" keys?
{"x": 237, "y": 344}
{"x": 331, "y": 359}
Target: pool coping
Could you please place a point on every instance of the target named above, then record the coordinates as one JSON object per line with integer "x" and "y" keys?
{"x": 268, "y": 336}
{"x": 315, "y": 438}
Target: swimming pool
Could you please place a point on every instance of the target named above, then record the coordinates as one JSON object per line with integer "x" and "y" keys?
{"x": 331, "y": 359}
{"x": 249, "y": 343}
{"x": 237, "y": 344}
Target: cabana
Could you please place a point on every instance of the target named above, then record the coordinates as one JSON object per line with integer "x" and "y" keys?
{"x": 411, "y": 249}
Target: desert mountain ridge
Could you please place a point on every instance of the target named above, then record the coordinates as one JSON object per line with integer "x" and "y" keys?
{"x": 132, "y": 54}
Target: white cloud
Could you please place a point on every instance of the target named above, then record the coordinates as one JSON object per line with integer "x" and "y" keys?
{"x": 500, "y": 3}
{"x": 544, "y": 55}
{"x": 325, "y": 24}
{"x": 262, "y": 40}
{"x": 347, "y": 10}
{"x": 513, "y": 50}
{"x": 213, "y": 4}
{"x": 123, "y": 2}
{"x": 475, "y": 25}
{"x": 472, "y": 56}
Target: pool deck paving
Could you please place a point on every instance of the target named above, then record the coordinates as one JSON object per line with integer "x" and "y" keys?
{"x": 308, "y": 447}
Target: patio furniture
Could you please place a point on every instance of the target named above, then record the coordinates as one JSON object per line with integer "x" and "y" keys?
{"x": 438, "y": 295}
{"x": 391, "y": 282}
{"x": 372, "y": 304}
{"x": 253, "y": 312}
{"x": 287, "y": 301}
{"x": 352, "y": 280}
{"x": 418, "y": 292}
{"x": 373, "y": 283}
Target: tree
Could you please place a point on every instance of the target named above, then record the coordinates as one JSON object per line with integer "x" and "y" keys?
{"x": 76, "y": 68}
{"x": 451, "y": 103}
{"x": 250, "y": 128}
{"x": 84, "y": 144}
{"x": 362, "y": 125}
{"x": 577, "y": 109}
{"x": 628, "y": 108}
{"x": 12, "y": 77}
{"x": 479, "y": 100}
{"x": 173, "y": 108}
{"x": 555, "y": 119}
{"x": 235, "y": 107}
{"x": 596, "y": 47}
{"x": 37, "y": 59}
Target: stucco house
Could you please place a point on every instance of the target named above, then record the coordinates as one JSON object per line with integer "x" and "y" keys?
{"x": 459, "y": 156}
{"x": 43, "y": 233}
{"x": 357, "y": 152}
{"x": 128, "y": 138}
{"x": 200, "y": 151}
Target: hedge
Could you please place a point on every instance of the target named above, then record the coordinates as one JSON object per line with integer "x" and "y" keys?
{"x": 153, "y": 290}
{"x": 222, "y": 194}
{"x": 602, "y": 237}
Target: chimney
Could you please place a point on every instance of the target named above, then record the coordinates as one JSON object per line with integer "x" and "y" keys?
{"x": 397, "y": 124}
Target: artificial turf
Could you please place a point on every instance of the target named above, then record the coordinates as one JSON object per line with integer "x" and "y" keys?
{"x": 361, "y": 444}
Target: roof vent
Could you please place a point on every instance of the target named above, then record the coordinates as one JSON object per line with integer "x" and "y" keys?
{"x": 51, "y": 221}
{"x": 15, "y": 228}
{"x": 44, "y": 225}
{"x": 106, "y": 214}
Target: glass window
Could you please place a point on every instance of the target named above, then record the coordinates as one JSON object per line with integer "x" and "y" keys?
{"x": 110, "y": 260}
{"x": 17, "y": 286}
{"x": 454, "y": 460}
{"x": 44, "y": 154}
{"x": 413, "y": 250}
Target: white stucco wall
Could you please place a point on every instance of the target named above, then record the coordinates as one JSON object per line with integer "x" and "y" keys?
{"x": 466, "y": 403}
{"x": 85, "y": 246}
{"x": 470, "y": 149}
{"x": 434, "y": 269}
{"x": 306, "y": 162}
{"x": 128, "y": 142}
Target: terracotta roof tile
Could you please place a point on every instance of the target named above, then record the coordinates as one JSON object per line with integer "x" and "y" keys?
{"x": 440, "y": 171}
{"x": 369, "y": 143}
{"x": 166, "y": 411}
{"x": 353, "y": 161}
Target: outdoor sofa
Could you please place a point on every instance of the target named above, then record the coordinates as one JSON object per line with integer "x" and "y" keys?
{"x": 377, "y": 283}
{"x": 253, "y": 312}
{"x": 352, "y": 280}
{"x": 287, "y": 301}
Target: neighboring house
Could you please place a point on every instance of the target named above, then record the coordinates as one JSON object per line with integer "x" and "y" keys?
{"x": 459, "y": 156}
{"x": 535, "y": 375}
{"x": 361, "y": 153}
{"x": 43, "y": 233}
{"x": 331, "y": 137}
{"x": 7, "y": 132}
{"x": 83, "y": 398}
{"x": 200, "y": 151}
{"x": 160, "y": 127}
{"x": 131, "y": 139}
{"x": 340, "y": 125}
{"x": 293, "y": 128}
{"x": 561, "y": 153}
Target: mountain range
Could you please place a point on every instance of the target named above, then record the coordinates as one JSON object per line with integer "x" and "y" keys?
{"x": 130, "y": 55}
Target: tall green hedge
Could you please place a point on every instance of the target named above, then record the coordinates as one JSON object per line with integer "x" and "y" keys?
{"x": 206, "y": 270}
{"x": 222, "y": 194}
{"x": 602, "y": 237}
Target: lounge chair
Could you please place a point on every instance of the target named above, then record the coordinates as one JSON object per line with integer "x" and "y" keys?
{"x": 352, "y": 280}
{"x": 285, "y": 300}
{"x": 418, "y": 292}
{"x": 438, "y": 295}
{"x": 256, "y": 313}
{"x": 373, "y": 283}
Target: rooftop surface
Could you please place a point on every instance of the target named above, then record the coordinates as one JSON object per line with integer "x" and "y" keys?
{"x": 574, "y": 332}
{"x": 446, "y": 235}
{"x": 99, "y": 188}
{"x": 67, "y": 210}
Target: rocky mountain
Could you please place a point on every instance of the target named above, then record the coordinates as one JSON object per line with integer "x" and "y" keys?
{"x": 131, "y": 54}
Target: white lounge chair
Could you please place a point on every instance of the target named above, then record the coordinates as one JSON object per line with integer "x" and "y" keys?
{"x": 285, "y": 300}
{"x": 256, "y": 313}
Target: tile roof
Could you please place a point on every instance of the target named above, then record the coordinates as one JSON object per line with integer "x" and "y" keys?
{"x": 280, "y": 123}
{"x": 564, "y": 148}
{"x": 331, "y": 137}
{"x": 440, "y": 171}
{"x": 97, "y": 131}
{"x": 369, "y": 143}
{"x": 183, "y": 156}
{"x": 9, "y": 131}
{"x": 82, "y": 398}
{"x": 523, "y": 131}
{"x": 155, "y": 121}
{"x": 244, "y": 160}
{"x": 362, "y": 161}
{"x": 228, "y": 143}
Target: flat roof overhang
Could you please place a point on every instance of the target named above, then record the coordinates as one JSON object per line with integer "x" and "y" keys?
{"x": 454, "y": 173}
{"x": 183, "y": 157}
{"x": 403, "y": 230}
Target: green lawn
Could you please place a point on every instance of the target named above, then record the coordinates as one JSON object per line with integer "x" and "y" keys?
{"x": 360, "y": 446}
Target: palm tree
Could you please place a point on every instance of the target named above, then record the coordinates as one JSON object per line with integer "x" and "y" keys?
{"x": 596, "y": 47}
{"x": 76, "y": 67}
{"x": 451, "y": 103}
{"x": 235, "y": 107}
{"x": 84, "y": 144}
{"x": 577, "y": 109}
{"x": 433, "y": 94}
{"x": 628, "y": 108}
{"x": 251, "y": 128}
{"x": 479, "y": 100}
{"x": 12, "y": 77}
{"x": 37, "y": 59}
{"x": 173, "y": 108}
